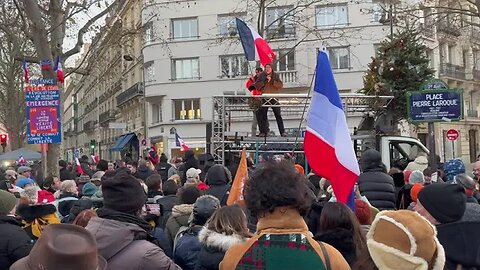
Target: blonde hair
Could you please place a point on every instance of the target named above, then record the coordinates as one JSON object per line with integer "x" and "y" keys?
{"x": 69, "y": 186}
{"x": 177, "y": 179}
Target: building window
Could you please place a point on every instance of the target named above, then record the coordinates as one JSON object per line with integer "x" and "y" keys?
{"x": 188, "y": 68}
{"x": 451, "y": 54}
{"x": 233, "y": 66}
{"x": 156, "y": 113}
{"x": 185, "y": 28}
{"x": 332, "y": 15}
{"x": 377, "y": 11}
{"x": 227, "y": 25}
{"x": 186, "y": 109}
{"x": 285, "y": 60}
{"x": 280, "y": 22}
{"x": 149, "y": 33}
{"x": 339, "y": 57}
{"x": 149, "y": 70}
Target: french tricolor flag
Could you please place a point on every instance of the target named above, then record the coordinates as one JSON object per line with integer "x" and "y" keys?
{"x": 181, "y": 143}
{"x": 327, "y": 144}
{"x": 255, "y": 47}
{"x": 59, "y": 70}
{"x": 79, "y": 167}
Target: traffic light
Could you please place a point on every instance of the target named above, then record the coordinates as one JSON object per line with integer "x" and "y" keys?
{"x": 3, "y": 138}
{"x": 93, "y": 144}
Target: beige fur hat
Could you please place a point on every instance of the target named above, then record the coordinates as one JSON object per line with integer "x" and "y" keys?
{"x": 404, "y": 240}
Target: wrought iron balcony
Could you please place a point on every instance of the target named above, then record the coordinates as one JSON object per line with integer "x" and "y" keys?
{"x": 134, "y": 91}
{"x": 69, "y": 132}
{"x": 92, "y": 105}
{"x": 89, "y": 126}
{"x": 454, "y": 71}
{"x": 282, "y": 31}
{"x": 450, "y": 28}
{"x": 106, "y": 116}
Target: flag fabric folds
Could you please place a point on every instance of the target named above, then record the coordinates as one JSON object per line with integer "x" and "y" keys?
{"x": 21, "y": 160}
{"x": 79, "y": 167}
{"x": 327, "y": 144}
{"x": 236, "y": 192}
{"x": 255, "y": 47}
{"x": 58, "y": 69}
{"x": 181, "y": 143}
{"x": 26, "y": 77}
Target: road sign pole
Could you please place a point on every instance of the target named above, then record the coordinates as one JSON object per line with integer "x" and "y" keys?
{"x": 431, "y": 146}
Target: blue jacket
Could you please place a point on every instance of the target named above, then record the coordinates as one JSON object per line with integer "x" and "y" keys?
{"x": 187, "y": 248}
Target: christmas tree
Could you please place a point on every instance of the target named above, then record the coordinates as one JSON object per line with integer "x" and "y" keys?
{"x": 400, "y": 66}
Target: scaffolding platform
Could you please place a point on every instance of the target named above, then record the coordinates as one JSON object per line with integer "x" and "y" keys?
{"x": 228, "y": 109}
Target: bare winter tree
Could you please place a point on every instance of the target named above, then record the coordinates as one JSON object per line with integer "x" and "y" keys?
{"x": 44, "y": 23}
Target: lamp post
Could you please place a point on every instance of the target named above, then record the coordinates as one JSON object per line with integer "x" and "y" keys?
{"x": 130, "y": 58}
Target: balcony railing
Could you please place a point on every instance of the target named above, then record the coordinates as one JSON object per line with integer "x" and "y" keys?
{"x": 92, "y": 105}
{"x": 427, "y": 30}
{"x": 106, "y": 116}
{"x": 69, "y": 132}
{"x": 88, "y": 126}
{"x": 453, "y": 71}
{"x": 134, "y": 91}
{"x": 449, "y": 28}
{"x": 289, "y": 76}
{"x": 476, "y": 75}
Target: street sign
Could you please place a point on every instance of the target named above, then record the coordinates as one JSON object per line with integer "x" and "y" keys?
{"x": 452, "y": 134}
{"x": 435, "y": 105}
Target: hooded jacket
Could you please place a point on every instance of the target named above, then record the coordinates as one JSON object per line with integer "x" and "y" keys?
{"x": 162, "y": 167}
{"x": 14, "y": 242}
{"x": 166, "y": 205}
{"x": 179, "y": 218}
{"x": 217, "y": 179}
{"x": 420, "y": 163}
{"x": 374, "y": 182}
{"x": 461, "y": 241}
{"x": 187, "y": 248}
{"x": 116, "y": 242}
{"x": 190, "y": 162}
{"x": 213, "y": 248}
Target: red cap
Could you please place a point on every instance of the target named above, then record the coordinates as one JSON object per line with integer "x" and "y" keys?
{"x": 45, "y": 197}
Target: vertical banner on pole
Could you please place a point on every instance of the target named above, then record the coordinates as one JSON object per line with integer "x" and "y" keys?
{"x": 42, "y": 107}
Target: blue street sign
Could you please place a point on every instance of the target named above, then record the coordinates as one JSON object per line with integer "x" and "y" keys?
{"x": 435, "y": 105}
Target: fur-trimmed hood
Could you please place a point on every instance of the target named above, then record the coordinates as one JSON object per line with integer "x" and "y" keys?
{"x": 219, "y": 241}
{"x": 182, "y": 209}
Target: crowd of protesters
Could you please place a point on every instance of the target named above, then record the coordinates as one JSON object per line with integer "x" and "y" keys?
{"x": 161, "y": 214}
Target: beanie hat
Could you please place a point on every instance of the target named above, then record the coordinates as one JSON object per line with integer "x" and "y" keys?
{"x": 123, "y": 193}
{"x": 189, "y": 195}
{"x": 416, "y": 177}
{"x": 445, "y": 202}
{"x": 23, "y": 182}
{"x": 362, "y": 211}
{"x": 44, "y": 196}
{"x": 89, "y": 189}
{"x": 203, "y": 209}
{"x": 7, "y": 202}
{"x": 193, "y": 173}
{"x": 404, "y": 238}
{"x": 415, "y": 190}
{"x": 453, "y": 167}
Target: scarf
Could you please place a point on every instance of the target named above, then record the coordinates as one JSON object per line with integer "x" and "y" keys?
{"x": 128, "y": 218}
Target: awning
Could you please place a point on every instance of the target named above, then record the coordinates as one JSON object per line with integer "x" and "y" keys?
{"x": 122, "y": 141}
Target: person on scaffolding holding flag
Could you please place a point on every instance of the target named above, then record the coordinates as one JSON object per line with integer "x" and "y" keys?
{"x": 267, "y": 82}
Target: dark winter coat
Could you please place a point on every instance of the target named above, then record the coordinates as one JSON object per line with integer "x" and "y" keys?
{"x": 162, "y": 169}
{"x": 189, "y": 162}
{"x": 404, "y": 199}
{"x": 65, "y": 203}
{"x": 86, "y": 168}
{"x": 43, "y": 213}
{"x": 213, "y": 248}
{"x": 187, "y": 248}
{"x": 342, "y": 240}
{"x": 374, "y": 182}
{"x": 461, "y": 241}
{"x": 166, "y": 204}
{"x": 143, "y": 172}
{"x": 14, "y": 242}
{"x": 217, "y": 179}
{"x": 65, "y": 174}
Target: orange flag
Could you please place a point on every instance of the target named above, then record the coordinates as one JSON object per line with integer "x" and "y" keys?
{"x": 236, "y": 192}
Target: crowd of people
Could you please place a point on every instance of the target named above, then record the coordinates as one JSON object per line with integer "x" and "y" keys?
{"x": 173, "y": 215}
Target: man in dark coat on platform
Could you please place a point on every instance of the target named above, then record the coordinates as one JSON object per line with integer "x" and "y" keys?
{"x": 374, "y": 182}
{"x": 189, "y": 162}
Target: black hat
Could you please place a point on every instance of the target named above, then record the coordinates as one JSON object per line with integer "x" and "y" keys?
{"x": 203, "y": 209}
{"x": 445, "y": 202}
{"x": 123, "y": 193}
